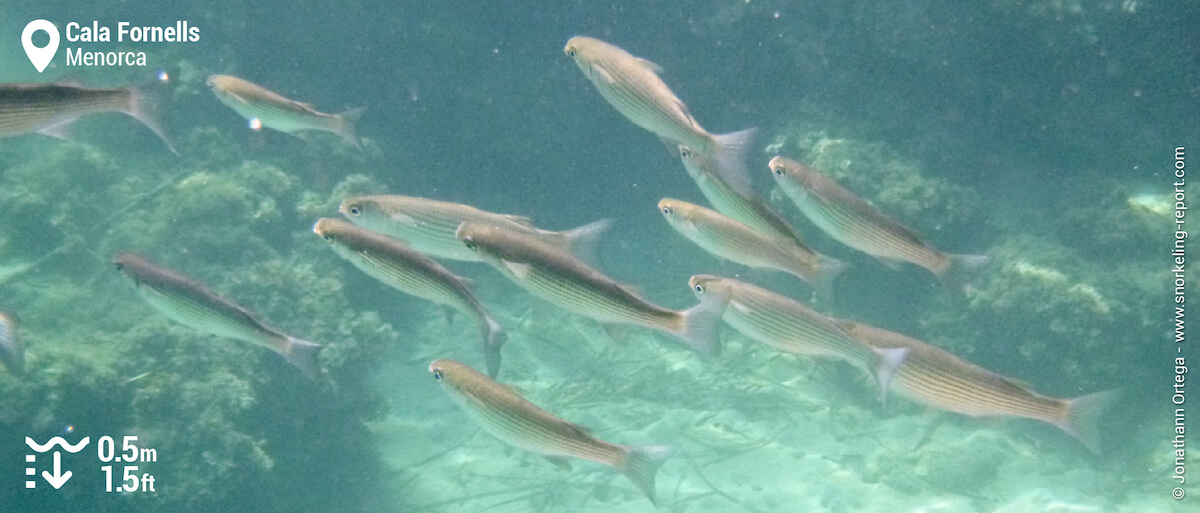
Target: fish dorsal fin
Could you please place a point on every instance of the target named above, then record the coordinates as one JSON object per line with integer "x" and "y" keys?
{"x": 650, "y": 65}
{"x": 519, "y": 269}
{"x": 524, "y": 221}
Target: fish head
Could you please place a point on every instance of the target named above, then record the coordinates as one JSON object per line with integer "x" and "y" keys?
{"x": 790, "y": 175}
{"x": 126, "y": 259}
{"x": 327, "y": 228}
{"x": 216, "y": 83}
{"x": 707, "y": 285}
{"x": 451, "y": 373}
{"x": 482, "y": 238}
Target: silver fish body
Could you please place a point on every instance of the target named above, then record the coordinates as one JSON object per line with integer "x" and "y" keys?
{"x": 729, "y": 239}
{"x": 277, "y": 112}
{"x": 936, "y": 378}
{"x": 429, "y": 225}
{"x": 522, "y": 424}
{"x": 556, "y": 276}
{"x": 191, "y": 304}
{"x": 414, "y": 273}
{"x": 632, "y": 86}
{"x": 855, "y": 223}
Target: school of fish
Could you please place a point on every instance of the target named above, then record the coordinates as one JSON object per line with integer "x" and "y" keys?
{"x": 398, "y": 240}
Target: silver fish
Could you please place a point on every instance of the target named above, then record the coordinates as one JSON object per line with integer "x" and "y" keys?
{"x": 726, "y": 238}
{"x": 191, "y": 304}
{"x": 936, "y": 378}
{"x": 632, "y": 86}
{"x": 50, "y": 108}
{"x": 556, "y": 276}
{"x": 274, "y": 111}
{"x": 428, "y": 225}
{"x": 855, "y": 223}
{"x": 791, "y": 327}
{"x": 411, "y": 272}
{"x": 744, "y": 206}
{"x": 522, "y": 424}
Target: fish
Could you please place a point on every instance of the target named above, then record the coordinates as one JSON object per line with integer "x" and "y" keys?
{"x": 749, "y": 209}
{"x": 729, "y": 239}
{"x": 522, "y": 424}
{"x": 414, "y": 273}
{"x": 428, "y": 225}
{"x": 12, "y": 352}
{"x": 934, "y": 377}
{"x": 191, "y": 304}
{"x": 633, "y": 87}
{"x": 848, "y": 219}
{"x": 50, "y": 109}
{"x": 789, "y": 326}
{"x": 560, "y": 278}
{"x": 253, "y": 101}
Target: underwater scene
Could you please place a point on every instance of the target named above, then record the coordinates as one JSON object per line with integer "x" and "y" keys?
{"x": 699, "y": 256}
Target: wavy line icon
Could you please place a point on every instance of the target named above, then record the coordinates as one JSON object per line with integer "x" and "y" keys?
{"x": 58, "y": 440}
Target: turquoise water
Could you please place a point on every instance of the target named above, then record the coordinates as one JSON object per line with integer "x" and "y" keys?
{"x": 1042, "y": 134}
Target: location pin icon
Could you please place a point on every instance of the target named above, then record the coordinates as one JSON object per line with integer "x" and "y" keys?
{"x": 40, "y": 57}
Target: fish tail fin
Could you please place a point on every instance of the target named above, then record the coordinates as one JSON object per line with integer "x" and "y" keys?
{"x": 962, "y": 269}
{"x": 584, "y": 240}
{"x": 883, "y": 367}
{"x": 345, "y": 126}
{"x": 303, "y": 354}
{"x": 729, "y": 159}
{"x": 148, "y": 104}
{"x": 700, "y": 324}
{"x": 823, "y": 275}
{"x": 640, "y": 464}
{"x": 1082, "y": 419}
{"x": 494, "y": 339}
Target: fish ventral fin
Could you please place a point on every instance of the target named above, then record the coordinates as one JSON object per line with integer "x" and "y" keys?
{"x": 493, "y": 340}
{"x": 560, "y": 462}
{"x": 640, "y": 464}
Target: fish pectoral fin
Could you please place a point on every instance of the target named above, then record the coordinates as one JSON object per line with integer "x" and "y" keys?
{"x": 602, "y": 74}
{"x": 650, "y": 65}
{"x": 59, "y": 130}
{"x": 560, "y": 462}
{"x": 616, "y": 333}
{"x": 519, "y": 269}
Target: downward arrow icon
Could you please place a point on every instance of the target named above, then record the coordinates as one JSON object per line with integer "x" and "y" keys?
{"x": 57, "y": 479}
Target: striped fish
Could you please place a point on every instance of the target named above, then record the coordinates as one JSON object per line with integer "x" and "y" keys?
{"x": 729, "y": 239}
{"x": 50, "y": 108}
{"x": 855, "y": 223}
{"x": 556, "y": 276}
{"x": 936, "y": 378}
{"x": 744, "y": 206}
{"x": 411, "y": 272}
{"x": 791, "y": 327}
{"x": 524, "y": 425}
{"x": 253, "y": 101}
{"x": 191, "y": 304}
{"x": 632, "y": 86}
{"x": 12, "y": 353}
{"x": 428, "y": 225}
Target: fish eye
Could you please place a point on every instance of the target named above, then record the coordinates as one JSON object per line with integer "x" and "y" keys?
{"x": 666, "y": 210}
{"x": 437, "y": 374}
{"x": 469, "y": 243}
{"x": 699, "y": 288}
{"x": 120, "y": 267}
{"x": 355, "y": 211}
{"x": 685, "y": 153}
{"x": 778, "y": 171}
{"x": 327, "y": 237}
{"x": 571, "y": 52}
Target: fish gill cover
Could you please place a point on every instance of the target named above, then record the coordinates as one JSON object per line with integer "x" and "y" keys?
{"x": 1036, "y": 132}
